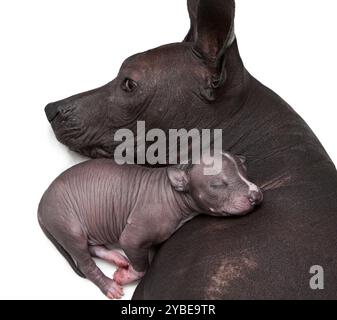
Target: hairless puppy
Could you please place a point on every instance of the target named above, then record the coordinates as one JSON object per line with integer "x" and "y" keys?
{"x": 99, "y": 203}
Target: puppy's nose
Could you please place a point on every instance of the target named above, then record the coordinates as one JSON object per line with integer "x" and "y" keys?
{"x": 51, "y": 110}
{"x": 255, "y": 197}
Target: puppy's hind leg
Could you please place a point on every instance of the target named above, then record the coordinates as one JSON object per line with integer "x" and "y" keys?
{"x": 75, "y": 242}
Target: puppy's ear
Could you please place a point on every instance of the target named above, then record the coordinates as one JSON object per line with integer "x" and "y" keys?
{"x": 212, "y": 32}
{"x": 178, "y": 179}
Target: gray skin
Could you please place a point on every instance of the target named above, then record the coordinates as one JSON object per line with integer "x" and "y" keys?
{"x": 99, "y": 203}
{"x": 202, "y": 83}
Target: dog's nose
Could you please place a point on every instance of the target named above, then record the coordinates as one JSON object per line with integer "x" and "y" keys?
{"x": 51, "y": 111}
{"x": 255, "y": 197}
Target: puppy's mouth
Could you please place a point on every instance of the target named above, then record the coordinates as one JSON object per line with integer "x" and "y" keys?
{"x": 240, "y": 213}
{"x": 240, "y": 209}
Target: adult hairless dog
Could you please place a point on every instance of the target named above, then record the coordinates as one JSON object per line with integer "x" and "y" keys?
{"x": 202, "y": 83}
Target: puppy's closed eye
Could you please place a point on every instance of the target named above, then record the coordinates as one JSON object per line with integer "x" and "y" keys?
{"x": 218, "y": 184}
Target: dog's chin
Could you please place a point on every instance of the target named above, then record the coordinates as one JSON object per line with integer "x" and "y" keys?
{"x": 93, "y": 152}
{"x": 71, "y": 137}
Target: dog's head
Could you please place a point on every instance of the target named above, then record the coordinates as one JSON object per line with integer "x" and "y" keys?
{"x": 173, "y": 86}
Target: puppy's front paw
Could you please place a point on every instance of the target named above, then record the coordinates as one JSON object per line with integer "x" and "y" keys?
{"x": 115, "y": 291}
{"x": 127, "y": 275}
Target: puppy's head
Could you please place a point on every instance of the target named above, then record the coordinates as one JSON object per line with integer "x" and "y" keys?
{"x": 227, "y": 193}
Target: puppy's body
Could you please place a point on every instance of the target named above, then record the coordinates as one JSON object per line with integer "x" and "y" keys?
{"x": 97, "y": 194}
{"x": 90, "y": 205}
{"x": 99, "y": 203}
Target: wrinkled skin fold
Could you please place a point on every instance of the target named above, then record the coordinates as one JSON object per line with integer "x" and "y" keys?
{"x": 202, "y": 83}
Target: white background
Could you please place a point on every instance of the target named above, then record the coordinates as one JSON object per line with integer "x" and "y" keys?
{"x": 52, "y": 49}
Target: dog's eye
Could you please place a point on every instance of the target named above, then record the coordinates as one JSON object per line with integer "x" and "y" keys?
{"x": 129, "y": 85}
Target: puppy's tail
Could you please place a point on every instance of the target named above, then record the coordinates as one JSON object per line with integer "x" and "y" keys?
{"x": 59, "y": 247}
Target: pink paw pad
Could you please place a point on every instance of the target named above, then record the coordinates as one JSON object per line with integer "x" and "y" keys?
{"x": 127, "y": 275}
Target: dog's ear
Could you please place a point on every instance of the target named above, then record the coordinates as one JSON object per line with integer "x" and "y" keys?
{"x": 193, "y": 11}
{"x": 212, "y": 32}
